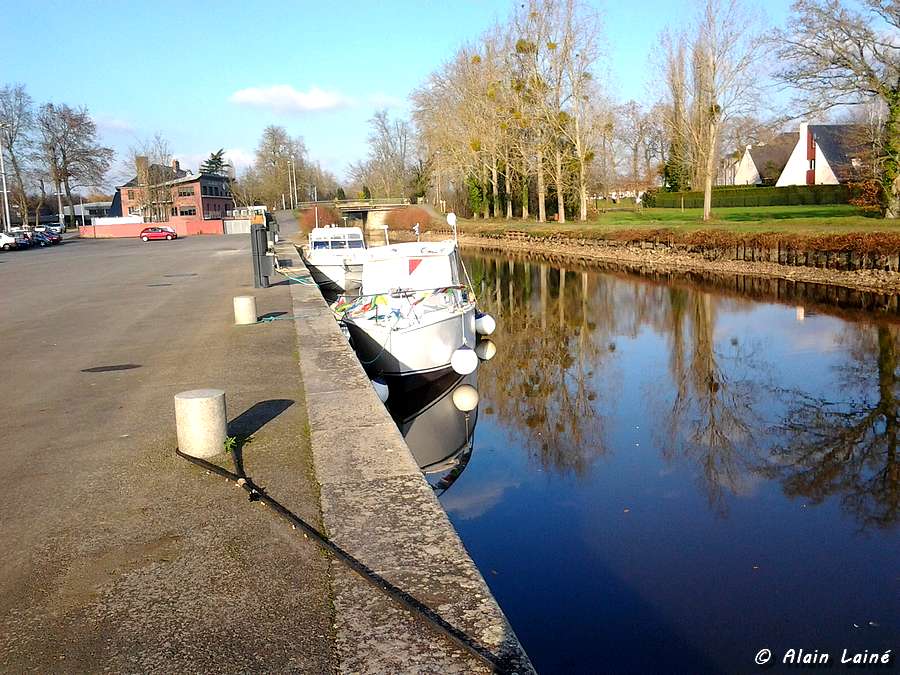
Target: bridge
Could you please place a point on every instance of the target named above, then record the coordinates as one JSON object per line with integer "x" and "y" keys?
{"x": 368, "y": 212}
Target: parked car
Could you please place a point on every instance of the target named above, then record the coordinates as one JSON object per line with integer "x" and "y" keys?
{"x": 7, "y": 241}
{"x": 23, "y": 241}
{"x": 45, "y": 238}
{"x": 54, "y": 228}
{"x": 149, "y": 233}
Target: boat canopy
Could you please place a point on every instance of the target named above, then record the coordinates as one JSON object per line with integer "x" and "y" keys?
{"x": 336, "y": 238}
{"x": 410, "y": 266}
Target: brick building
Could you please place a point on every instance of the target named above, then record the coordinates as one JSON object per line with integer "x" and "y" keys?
{"x": 161, "y": 193}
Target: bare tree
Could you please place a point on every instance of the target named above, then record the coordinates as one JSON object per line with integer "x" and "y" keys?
{"x": 836, "y": 56}
{"x": 722, "y": 81}
{"x": 388, "y": 168}
{"x": 69, "y": 146}
{"x": 17, "y": 118}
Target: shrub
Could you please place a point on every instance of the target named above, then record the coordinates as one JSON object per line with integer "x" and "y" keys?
{"x": 791, "y": 195}
{"x": 327, "y": 216}
{"x": 866, "y": 195}
{"x": 406, "y": 218}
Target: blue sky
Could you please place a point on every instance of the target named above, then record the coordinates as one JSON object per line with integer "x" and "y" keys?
{"x": 213, "y": 74}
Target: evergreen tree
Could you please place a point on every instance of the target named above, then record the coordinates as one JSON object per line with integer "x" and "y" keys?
{"x": 216, "y": 163}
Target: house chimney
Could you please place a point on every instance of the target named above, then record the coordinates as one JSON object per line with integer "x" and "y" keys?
{"x": 176, "y": 166}
{"x": 142, "y": 164}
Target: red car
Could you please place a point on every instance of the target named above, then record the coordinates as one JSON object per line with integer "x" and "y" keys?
{"x": 149, "y": 233}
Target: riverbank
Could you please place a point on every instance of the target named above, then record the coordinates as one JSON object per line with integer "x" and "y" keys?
{"x": 666, "y": 255}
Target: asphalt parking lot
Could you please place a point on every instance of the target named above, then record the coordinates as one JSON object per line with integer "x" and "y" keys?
{"x": 116, "y": 555}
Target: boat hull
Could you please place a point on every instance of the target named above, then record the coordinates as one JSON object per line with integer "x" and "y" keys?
{"x": 422, "y": 350}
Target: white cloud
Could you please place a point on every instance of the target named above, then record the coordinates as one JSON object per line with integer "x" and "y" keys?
{"x": 239, "y": 158}
{"x": 284, "y": 98}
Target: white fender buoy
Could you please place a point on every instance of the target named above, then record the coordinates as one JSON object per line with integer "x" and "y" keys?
{"x": 464, "y": 360}
{"x": 485, "y": 349}
{"x": 465, "y": 398}
{"x": 381, "y": 389}
{"x": 484, "y": 324}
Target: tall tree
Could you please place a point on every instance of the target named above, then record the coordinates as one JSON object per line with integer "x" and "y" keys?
{"x": 17, "y": 120}
{"x": 837, "y": 55}
{"x": 721, "y": 81}
{"x": 69, "y": 146}
{"x": 215, "y": 164}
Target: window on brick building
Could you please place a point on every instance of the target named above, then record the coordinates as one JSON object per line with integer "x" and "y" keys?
{"x": 186, "y": 192}
{"x": 131, "y": 194}
{"x": 187, "y": 211}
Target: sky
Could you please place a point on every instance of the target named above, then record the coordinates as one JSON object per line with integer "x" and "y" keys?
{"x": 209, "y": 75}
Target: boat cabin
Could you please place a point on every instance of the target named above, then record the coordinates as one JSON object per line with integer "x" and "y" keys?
{"x": 327, "y": 238}
{"x": 410, "y": 266}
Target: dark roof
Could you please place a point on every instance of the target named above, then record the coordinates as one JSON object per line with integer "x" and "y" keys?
{"x": 841, "y": 144}
{"x": 771, "y": 158}
{"x": 161, "y": 174}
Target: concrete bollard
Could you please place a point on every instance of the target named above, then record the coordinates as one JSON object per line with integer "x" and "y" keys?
{"x": 200, "y": 422}
{"x": 244, "y": 309}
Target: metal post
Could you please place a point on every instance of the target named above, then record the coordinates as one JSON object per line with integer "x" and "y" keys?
{"x": 294, "y": 171}
{"x": 81, "y": 199}
{"x": 316, "y": 200}
{"x": 283, "y": 206}
{"x": 3, "y": 174}
{"x": 291, "y": 186}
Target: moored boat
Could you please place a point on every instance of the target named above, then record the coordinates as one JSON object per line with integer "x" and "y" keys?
{"x": 334, "y": 257}
{"x": 414, "y": 316}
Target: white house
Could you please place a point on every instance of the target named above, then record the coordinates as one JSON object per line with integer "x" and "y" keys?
{"x": 826, "y": 154}
{"x": 763, "y": 163}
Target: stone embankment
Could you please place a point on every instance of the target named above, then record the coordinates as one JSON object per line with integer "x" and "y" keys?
{"x": 864, "y": 271}
{"x": 377, "y": 506}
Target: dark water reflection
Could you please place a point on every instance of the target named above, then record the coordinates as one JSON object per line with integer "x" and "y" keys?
{"x": 669, "y": 476}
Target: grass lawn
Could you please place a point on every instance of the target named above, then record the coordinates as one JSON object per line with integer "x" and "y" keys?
{"x": 799, "y": 220}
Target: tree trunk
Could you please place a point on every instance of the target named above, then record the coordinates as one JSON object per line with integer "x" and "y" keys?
{"x": 69, "y": 202}
{"x": 582, "y": 190}
{"x": 37, "y": 210}
{"x": 507, "y": 183}
{"x": 21, "y": 196}
{"x": 541, "y": 188}
{"x": 560, "y": 195}
{"x": 525, "y": 197}
{"x": 495, "y": 185}
{"x": 890, "y": 168}
{"x": 485, "y": 202}
{"x": 710, "y": 168}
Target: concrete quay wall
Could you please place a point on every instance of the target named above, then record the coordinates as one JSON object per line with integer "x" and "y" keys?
{"x": 377, "y": 505}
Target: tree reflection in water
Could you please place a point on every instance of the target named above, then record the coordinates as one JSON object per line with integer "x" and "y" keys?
{"x": 712, "y": 416}
{"x": 543, "y": 380}
{"x": 556, "y": 335}
{"x": 848, "y": 448}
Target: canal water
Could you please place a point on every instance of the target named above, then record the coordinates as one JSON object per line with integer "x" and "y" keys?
{"x": 670, "y": 475}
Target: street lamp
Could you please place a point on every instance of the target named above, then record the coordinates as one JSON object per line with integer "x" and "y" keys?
{"x": 4, "y": 125}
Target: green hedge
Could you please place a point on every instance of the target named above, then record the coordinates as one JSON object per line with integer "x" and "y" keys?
{"x": 791, "y": 195}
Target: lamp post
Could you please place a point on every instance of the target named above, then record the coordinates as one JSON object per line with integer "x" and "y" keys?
{"x": 4, "y": 125}
{"x": 290, "y": 164}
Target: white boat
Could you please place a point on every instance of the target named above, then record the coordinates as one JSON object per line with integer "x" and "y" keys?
{"x": 415, "y": 316}
{"x": 334, "y": 257}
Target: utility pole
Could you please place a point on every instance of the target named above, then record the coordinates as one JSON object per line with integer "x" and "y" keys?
{"x": 3, "y": 174}
{"x": 291, "y": 183}
{"x": 81, "y": 199}
{"x": 294, "y": 171}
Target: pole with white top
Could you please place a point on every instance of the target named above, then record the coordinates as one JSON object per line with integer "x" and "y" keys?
{"x": 3, "y": 174}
